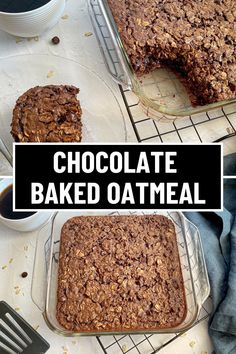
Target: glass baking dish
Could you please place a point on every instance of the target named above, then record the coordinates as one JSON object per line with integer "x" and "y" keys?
{"x": 160, "y": 91}
{"x": 193, "y": 268}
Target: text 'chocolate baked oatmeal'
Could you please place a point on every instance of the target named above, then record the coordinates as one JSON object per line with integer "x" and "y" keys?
{"x": 48, "y": 113}
{"x": 196, "y": 38}
{"x": 119, "y": 273}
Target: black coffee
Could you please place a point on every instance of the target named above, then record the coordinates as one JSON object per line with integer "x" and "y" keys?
{"x": 21, "y": 5}
{"x": 6, "y": 206}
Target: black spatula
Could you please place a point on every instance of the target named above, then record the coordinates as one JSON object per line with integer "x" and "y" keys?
{"x": 16, "y": 335}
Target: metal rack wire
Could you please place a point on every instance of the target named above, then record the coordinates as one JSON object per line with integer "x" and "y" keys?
{"x": 187, "y": 129}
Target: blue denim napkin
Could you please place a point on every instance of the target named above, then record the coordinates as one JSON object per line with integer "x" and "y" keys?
{"x": 218, "y": 234}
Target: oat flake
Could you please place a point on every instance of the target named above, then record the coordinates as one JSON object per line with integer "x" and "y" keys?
{"x": 192, "y": 343}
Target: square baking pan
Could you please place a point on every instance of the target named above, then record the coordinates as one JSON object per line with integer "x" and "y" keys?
{"x": 160, "y": 92}
{"x": 196, "y": 284}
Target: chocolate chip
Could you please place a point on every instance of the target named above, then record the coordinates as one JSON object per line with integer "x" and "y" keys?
{"x": 24, "y": 274}
{"x": 55, "y": 40}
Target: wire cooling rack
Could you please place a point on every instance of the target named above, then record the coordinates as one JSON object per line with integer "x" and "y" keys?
{"x": 145, "y": 343}
{"x": 213, "y": 126}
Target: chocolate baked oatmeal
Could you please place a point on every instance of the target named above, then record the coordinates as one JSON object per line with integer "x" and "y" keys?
{"x": 48, "y": 113}
{"x": 119, "y": 273}
{"x": 196, "y": 38}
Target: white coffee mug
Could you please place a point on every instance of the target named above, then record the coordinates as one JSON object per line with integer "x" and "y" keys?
{"x": 32, "y": 23}
{"x": 27, "y": 224}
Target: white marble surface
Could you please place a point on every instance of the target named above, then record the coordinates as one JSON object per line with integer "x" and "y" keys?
{"x": 17, "y": 249}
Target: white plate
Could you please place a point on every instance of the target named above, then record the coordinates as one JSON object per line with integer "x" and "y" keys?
{"x": 102, "y": 117}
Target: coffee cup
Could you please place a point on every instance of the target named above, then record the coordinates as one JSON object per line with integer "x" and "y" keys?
{"x": 34, "y": 22}
{"x": 20, "y": 221}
